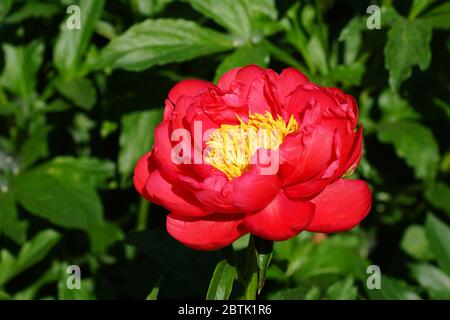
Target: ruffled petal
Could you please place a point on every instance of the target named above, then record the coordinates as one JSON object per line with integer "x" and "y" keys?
{"x": 341, "y": 206}
{"x": 207, "y": 233}
{"x": 173, "y": 198}
{"x": 288, "y": 81}
{"x": 141, "y": 172}
{"x": 253, "y": 191}
{"x": 282, "y": 219}
{"x": 191, "y": 88}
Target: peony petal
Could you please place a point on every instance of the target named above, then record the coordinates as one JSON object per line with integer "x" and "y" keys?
{"x": 141, "y": 172}
{"x": 282, "y": 219}
{"x": 227, "y": 79}
{"x": 190, "y": 88}
{"x": 207, "y": 233}
{"x": 216, "y": 194}
{"x": 304, "y": 156}
{"x": 161, "y": 192}
{"x": 253, "y": 191}
{"x": 341, "y": 206}
{"x": 288, "y": 81}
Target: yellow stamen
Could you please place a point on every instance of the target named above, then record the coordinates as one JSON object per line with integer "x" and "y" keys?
{"x": 230, "y": 147}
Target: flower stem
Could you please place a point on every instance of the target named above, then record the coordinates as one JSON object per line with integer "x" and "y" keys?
{"x": 142, "y": 217}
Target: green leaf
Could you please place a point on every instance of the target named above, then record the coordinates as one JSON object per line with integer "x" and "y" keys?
{"x": 187, "y": 272}
{"x": 80, "y": 91}
{"x": 243, "y": 56}
{"x": 5, "y": 6}
{"x": 222, "y": 281}
{"x": 417, "y": 7}
{"x": 59, "y": 200}
{"x": 233, "y": 15}
{"x": 439, "y": 196}
{"x": 149, "y": 8}
{"x": 21, "y": 67}
{"x": 348, "y": 74}
{"x": 408, "y": 44}
{"x": 392, "y": 289}
{"x": 35, "y": 147}
{"x": 438, "y": 234}
{"x": 351, "y": 35}
{"x": 318, "y": 54}
{"x": 343, "y": 290}
{"x": 414, "y": 143}
{"x": 31, "y": 253}
{"x": 87, "y": 171}
{"x": 264, "y": 253}
{"x": 71, "y": 45}
{"x": 436, "y": 282}
{"x": 86, "y": 291}
{"x": 103, "y": 236}
{"x": 10, "y": 225}
{"x": 153, "y": 295}
{"x": 394, "y": 108}
{"x": 161, "y": 41}
{"x": 50, "y": 276}
{"x": 136, "y": 138}
{"x": 33, "y": 10}
{"x": 438, "y": 17}
{"x": 415, "y": 243}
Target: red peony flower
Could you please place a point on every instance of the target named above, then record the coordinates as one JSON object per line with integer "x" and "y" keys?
{"x": 261, "y": 153}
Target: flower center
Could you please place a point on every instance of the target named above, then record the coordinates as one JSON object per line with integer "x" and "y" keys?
{"x": 230, "y": 147}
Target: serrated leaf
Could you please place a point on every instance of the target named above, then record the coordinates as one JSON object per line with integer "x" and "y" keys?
{"x": 59, "y": 200}
{"x": 243, "y": 56}
{"x": 136, "y": 138}
{"x": 221, "y": 282}
{"x": 439, "y": 196}
{"x": 161, "y": 41}
{"x": 72, "y": 44}
{"x": 436, "y": 282}
{"x": 415, "y": 144}
{"x": 10, "y": 225}
{"x": 438, "y": 234}
{"x": 31, "y": 253}
{"x": 408, "y": 45}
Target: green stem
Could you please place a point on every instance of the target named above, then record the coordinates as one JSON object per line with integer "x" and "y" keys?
{"x": 142, "y": 217}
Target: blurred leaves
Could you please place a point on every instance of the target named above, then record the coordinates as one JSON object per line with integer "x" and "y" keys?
{"x": 71, "y": 45}
{"x": 78, "y": 108}
{"x": 21, "y": 66}
{"x": 31, "y": 253}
